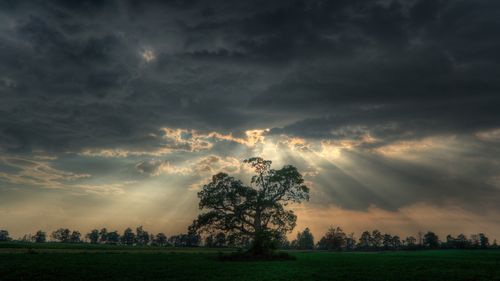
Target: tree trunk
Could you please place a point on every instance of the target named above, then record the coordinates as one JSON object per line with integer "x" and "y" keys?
{"x": 260, "y": 243}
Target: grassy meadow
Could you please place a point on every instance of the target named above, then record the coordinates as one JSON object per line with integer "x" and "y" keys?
{"x": 108, "y": 262}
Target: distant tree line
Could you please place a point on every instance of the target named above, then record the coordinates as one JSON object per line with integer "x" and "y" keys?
{"x": 335, "y": 239}
{"x": 139, "y": 237}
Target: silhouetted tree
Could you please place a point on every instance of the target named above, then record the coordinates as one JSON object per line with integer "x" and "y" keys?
{"x": 128, "y": 237}
{"x": 113, "y": 237}
{"x": 483, "y": 241}
{"x": 396, "y": 242}
{"x": 461, "y": 242}
{"x": 387, "y": 241}
{"x": 142, "y": 236}
{"x": 175, "y": 240}
{"x": 474, "y": 241}
{"x": 160, "y": 239}
{"x": 61, "y": 235}
{"x": 75, "y": 237}
{"x": 40, "y": 237}
{"x": 410, "y": 241}
{"x": 103, "y": 235}
{"x": 431, "y": 240}
{"x": 304, "y": 241}
{"x": 376, "y": 239}
{"x": 93, "y": 236}
{"x": 350, "y": 243}
{"x": 4, "y": 236}
{"x": 256, "y": 211}
{"x": 334, "y": 239}
{"x": 365, "y": 240}
{"x": 189, "y": 239}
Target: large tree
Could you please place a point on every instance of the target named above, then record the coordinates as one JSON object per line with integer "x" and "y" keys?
{"x": 256, "y": 211}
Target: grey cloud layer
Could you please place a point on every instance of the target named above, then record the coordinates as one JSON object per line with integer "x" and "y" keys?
{"x": 74, "y": 77}
{"x": 73, "y": 74}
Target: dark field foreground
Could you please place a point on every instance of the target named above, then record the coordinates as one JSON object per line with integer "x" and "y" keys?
{"x": 85, "y": 262}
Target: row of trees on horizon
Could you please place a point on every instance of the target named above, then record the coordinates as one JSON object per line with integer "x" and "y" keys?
{"x": 103, "y": 236}
{"x": 335, "y": 239}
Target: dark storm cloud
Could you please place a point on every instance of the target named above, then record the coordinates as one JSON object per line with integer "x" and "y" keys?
{"x": 426, "y": 70}
{"x": 74, "y": 69}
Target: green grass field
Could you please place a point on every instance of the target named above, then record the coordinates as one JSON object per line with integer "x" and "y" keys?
{"x": 101, "y": 262}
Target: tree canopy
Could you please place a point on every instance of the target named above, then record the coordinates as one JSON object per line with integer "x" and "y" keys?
{"x": 258, "y": 210}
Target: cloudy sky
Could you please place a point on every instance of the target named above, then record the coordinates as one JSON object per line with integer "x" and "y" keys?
{"x": 114, "y": 113}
